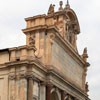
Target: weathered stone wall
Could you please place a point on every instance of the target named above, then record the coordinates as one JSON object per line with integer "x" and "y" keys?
{"x": 4, "y": 57}
{"x": 66, "y": 65}
{"x": 18, "y": 89}
{"x": 3, "y": 87}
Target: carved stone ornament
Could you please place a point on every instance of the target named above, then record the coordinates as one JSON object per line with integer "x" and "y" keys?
{"x": 32, "y": 41}
{"x": 12, "y": 76}
{"x": 22, "y": 75}
{"x": 29, "y": 75}
{"x": 52, "y": 36}
{"x": 72, "y": 26}
{"x": 86, "y": 87}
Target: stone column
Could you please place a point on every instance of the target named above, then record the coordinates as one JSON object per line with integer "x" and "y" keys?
{"x": 21, "y": 89}
{"x": 30, "y": 88}
{"x": 12, "y": 87}
{"x": 62, "y": 95}
{"x": 48, "y": 91}
{"x": 42, "y": 91}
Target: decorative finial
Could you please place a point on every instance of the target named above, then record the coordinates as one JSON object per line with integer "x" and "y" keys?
{"x": 85, "y": 55}
{"x": 67, "y": 2}
{"x": 67, "y": 5}
{"x": 85, "y": 50}
{"x": 61, "y": 4}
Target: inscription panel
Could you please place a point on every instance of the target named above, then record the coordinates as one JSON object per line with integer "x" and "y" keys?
{"x": 66, "y": 65}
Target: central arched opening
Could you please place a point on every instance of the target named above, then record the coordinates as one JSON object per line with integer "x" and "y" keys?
{"x": 54, "y": 96}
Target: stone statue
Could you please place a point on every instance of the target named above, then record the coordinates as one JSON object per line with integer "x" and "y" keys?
{"x": 86, "y": 87}
{"x": 51, "y": 9}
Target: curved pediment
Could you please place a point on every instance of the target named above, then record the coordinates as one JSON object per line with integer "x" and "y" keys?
{"x": 73, "y": 19}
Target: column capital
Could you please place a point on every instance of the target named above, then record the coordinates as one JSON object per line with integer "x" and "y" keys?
{"x": 12, "y": 76}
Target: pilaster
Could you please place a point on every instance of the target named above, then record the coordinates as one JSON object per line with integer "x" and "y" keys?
{"x": 42, "y": 91}
{"x": 12, "y": 87}
{"x": 30, "y": 88}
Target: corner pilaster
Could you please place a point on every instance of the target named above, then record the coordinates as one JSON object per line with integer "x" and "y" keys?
{"x": 30, "y": 88}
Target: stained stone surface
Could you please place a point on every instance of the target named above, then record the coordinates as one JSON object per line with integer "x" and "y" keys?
{"x": 48, "y": 63}
{"x": 66, "y": 65}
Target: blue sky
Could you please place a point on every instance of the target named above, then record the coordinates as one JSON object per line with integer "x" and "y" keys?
{"x": 13, "y": 12}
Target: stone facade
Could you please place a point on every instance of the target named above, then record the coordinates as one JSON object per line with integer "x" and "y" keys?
{"x": 49, "y": 66}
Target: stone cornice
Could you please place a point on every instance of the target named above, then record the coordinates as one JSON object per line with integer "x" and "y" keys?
{"x": 34, "y": 17}
{"x": 35, "y": 28}
{"x": 22, "y": 47}
{"x": 27, "y": 62}
{"x": 41, "y": 27}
